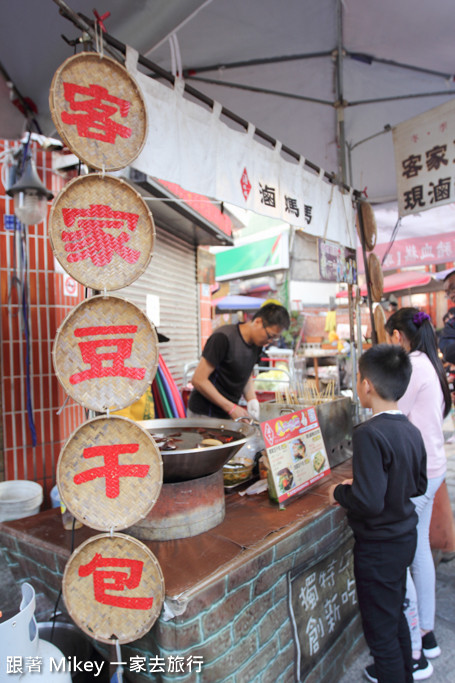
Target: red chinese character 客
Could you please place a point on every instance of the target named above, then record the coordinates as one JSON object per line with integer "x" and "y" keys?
{"x": 106, "y": 363}
{"x": 95, "y": 107}
{"x": 114, "y": 580}
{"x": 93, "y": 238}
{"x": 111, "y": 470}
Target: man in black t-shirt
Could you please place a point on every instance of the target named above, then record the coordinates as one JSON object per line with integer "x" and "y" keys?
{"x": 224, "y": 372}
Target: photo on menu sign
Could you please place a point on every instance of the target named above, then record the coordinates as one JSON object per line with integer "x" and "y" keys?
{"x": 296, "y": 452}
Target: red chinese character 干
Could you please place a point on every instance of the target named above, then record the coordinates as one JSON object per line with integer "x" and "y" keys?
{"x": 111, "y": 470}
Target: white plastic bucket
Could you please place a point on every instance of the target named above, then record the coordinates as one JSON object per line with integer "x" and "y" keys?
{"x": 19, "y": 498}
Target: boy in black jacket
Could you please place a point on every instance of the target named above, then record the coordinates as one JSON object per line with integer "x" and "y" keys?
{"x": 389, "y": 468}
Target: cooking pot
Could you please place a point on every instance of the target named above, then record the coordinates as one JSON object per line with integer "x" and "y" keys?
{"x": 188, "y": 461}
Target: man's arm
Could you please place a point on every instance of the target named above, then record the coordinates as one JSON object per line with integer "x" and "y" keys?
{"x": 202, "y": 383}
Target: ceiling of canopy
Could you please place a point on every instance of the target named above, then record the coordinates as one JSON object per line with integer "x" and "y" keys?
{"x": 271, "y": 63}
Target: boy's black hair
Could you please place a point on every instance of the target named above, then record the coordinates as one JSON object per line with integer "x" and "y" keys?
{"x": 273, "y": 314}
{"x": 388, "y": 368}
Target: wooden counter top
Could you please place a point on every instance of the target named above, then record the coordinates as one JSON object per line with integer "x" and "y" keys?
{"x": 189, "y": 565}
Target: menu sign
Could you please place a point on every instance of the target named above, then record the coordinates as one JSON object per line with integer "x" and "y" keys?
{"x": 337, "y": 263}
{"x": 296, "y": 452}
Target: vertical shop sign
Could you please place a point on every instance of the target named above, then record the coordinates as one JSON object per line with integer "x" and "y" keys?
{"x": 425, "y": 159}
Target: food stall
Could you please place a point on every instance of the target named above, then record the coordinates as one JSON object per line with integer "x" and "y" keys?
{"x": 212, "y": 581}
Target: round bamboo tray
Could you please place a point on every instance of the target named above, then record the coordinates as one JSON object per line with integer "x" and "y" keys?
{"x": 105, "y": 353}
{"x": 376, "y": 277}
{"x": 101, "y": 232}
{"x": 379, "y": 324}
{"x": 113, "y": 588}
{"x": 369, "y": 225}
{"x": 98, "y": 111}
{"x": 110, "y": 473}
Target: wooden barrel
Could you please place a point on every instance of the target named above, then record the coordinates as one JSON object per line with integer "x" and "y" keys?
{"x": 184, "y": 509}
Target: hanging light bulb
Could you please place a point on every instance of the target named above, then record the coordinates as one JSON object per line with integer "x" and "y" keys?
{"x": 30, "y": 195}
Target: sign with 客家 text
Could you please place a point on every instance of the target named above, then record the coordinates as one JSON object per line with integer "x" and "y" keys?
{"x": 425, "y": 159}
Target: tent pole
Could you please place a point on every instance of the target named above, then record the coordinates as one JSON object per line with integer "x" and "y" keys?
{"x": 339, "y": 108}
{"x": 340, "y": 103}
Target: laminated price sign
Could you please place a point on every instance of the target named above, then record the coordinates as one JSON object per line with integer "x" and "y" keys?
{"x": 296, "y": 452}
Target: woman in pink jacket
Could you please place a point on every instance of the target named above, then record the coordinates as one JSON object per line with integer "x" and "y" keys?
{"x": 426, "y": 403}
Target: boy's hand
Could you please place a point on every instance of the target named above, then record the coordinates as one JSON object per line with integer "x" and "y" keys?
{"x": 332, "y": 500}
{"x": 348, "y": 482}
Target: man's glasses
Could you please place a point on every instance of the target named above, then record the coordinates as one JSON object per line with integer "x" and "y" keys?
{"x": 270, "y": 337}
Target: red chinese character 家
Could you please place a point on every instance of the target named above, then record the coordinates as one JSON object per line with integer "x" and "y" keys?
{"x": 94, "y": 237}
{"x": 114, "y": 580}
{"x": 95, "y": 107}
{"x": 105, "y": 363}
{"x": 111, "y": 470}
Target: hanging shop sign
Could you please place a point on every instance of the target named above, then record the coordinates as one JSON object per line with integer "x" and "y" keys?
{"x": 105, "y": 353}
{"x": 113, "y": 588}
{"x": 110, "y": 473}
{"x": 415, "y": 251}
{"x": 233, "y": 166}
{"x": 255, "y": 258}
{"x": 424, "y": 149}
{"x": 98, "y": 111}
{"x": 337, "y": 263}
{"x": 296, "y": 452}
{"x": 101, "y": 232}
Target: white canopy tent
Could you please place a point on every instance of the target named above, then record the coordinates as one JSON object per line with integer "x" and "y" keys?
{"x": 327, "y": 79}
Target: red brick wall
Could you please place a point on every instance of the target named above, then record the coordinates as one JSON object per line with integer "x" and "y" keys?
{"x": 46, "y": 309}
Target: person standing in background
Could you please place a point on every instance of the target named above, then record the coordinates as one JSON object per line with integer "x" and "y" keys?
{"x": 389, "y": 468}
{"x": 426, "y": 403}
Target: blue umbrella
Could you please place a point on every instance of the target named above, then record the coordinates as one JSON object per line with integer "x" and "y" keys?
{"x": 237, "y": 302}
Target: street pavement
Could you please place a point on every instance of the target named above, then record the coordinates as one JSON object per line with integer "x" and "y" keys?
{"x": 443, "y": 666}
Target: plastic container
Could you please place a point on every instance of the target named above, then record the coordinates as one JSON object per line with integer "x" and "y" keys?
{"x": 55, "y": 497}
{"x": 19, "y": 498}
{"x": 67, "y": 517}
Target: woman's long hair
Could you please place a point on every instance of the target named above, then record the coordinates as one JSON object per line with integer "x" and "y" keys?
{"x": 419, "y": 331}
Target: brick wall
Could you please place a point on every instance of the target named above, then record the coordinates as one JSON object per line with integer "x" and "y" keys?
{"x": 240, "y": 624}
{"x": 28, "y": 257}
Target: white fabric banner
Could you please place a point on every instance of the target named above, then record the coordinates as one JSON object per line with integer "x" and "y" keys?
{"x": 424, "y": 158}
{"x": 189, "y": 145}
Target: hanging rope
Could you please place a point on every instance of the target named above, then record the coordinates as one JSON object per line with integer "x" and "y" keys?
{"x": 392, "y": 240}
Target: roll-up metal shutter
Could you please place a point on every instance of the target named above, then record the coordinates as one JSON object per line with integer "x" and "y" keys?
{"x": 171, "y": 275}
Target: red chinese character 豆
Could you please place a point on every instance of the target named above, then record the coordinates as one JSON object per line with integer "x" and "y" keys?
{"x": 106, "y": 363}
{"x": 114, "y": 580}
{"x": 93, "y": 239}
{"x": 95, "y": 108}
{"x": 111, "y": 470}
